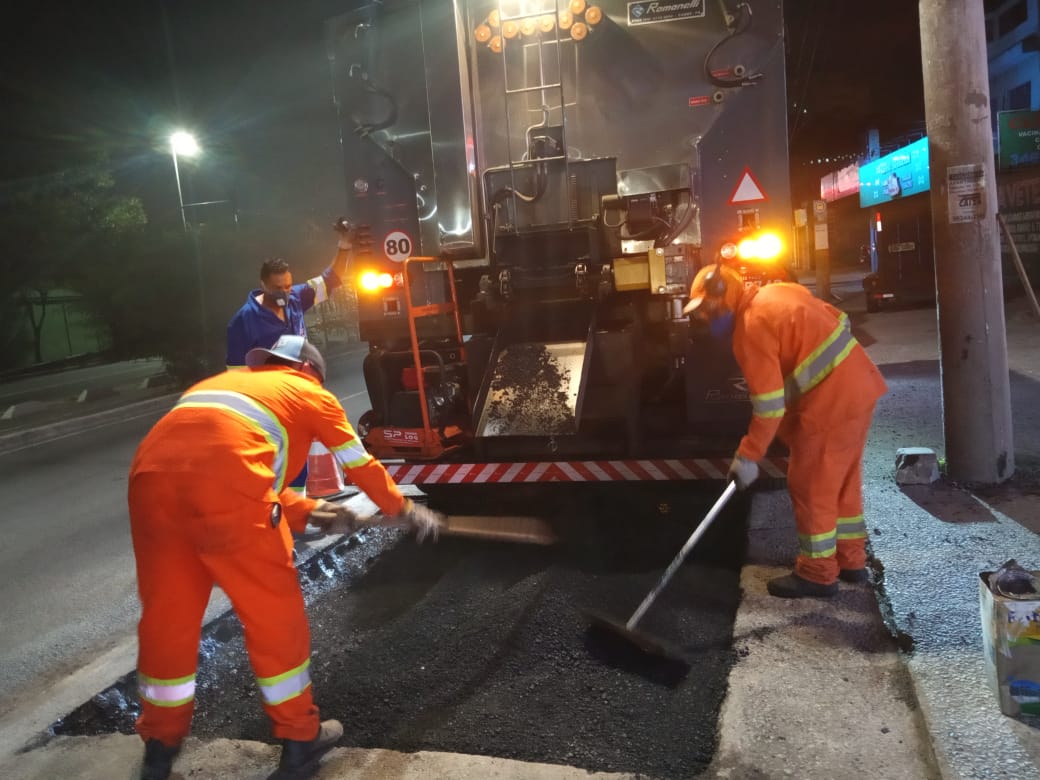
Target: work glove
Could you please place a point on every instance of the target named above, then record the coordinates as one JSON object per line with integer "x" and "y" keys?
{"x": 345, "y": 231}
{"x": 743, "y": 472}
{"x": 333, "y": 518}
{"x": 419, "y": 518}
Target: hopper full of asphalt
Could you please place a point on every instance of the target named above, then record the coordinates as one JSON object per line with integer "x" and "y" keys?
{"x": 479, "y": 647}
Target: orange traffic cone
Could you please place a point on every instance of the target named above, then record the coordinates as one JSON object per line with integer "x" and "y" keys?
{"x": 324, "y": 476}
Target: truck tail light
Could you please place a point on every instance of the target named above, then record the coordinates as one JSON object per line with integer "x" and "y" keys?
{"x": 373, "y": 281}
{"x": 763, "y": 247}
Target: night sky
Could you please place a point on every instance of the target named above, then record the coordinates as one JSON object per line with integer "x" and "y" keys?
{"x": 113, "y": 78}
{"x": 250, "y": 77}
{"x": 851, "y": 66}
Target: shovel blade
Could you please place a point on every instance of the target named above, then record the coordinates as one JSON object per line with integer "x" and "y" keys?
{"x": 652, "y": 648}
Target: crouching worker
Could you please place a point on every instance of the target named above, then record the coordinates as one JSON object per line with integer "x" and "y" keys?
{"x": 812, "y": 384}
{"x": 208, "y": 505}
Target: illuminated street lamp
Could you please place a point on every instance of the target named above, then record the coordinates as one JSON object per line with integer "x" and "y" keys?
{"x": 182, "y": 144}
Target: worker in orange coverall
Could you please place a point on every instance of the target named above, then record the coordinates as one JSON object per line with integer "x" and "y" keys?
{"x": 811, "y": 384}
{"x": 208, "y": 505}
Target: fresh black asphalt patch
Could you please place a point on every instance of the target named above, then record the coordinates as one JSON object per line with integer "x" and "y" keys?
{"x": 483, "y": 648}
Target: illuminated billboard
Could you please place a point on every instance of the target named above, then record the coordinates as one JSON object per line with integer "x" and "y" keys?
{"x": 900, "y": 174}
{"x": 1019, "y": 136}
{"x": 838, "y": 184}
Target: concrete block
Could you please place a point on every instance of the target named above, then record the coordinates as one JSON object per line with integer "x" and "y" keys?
{"x": 25, "y": 408}
{"x": 94, "y": 393}
{"x": 156, "y": 380}
{"x": 916, "y": 466}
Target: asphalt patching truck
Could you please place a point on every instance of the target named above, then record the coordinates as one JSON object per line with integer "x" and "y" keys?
{"x": 535, "y": 185}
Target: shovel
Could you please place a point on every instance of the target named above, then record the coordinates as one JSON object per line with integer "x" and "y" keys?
{"x": 502, "y": 528}
{"x": 644, "y": 642}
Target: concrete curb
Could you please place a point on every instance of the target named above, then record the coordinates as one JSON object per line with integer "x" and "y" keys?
{"x": 17, "y": 440}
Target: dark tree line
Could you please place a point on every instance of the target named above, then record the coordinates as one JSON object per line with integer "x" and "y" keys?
{"x": 154, "y": 290}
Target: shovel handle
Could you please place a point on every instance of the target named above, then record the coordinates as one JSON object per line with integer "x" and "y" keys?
{"x": 673, "y": 567}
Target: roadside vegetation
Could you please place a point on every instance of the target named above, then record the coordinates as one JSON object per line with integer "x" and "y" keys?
{"x": 146, "y": 288}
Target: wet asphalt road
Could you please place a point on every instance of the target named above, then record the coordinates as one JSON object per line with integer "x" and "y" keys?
{"x": 484, "y": 648}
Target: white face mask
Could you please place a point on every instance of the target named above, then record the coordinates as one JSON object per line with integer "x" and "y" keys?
{"x": 278, "y": 298}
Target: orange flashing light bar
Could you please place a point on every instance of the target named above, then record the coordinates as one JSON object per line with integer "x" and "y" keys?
{"x": 577, "y": 18}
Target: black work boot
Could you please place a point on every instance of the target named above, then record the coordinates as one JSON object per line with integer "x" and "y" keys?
{"x": 791, "y": 586}
{"x": 300, "y": 758}
{"x": 158, "y": 760}
{"x": 854, "y": 575}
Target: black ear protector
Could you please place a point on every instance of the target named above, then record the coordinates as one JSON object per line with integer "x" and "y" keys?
{"x": 714, "y": 284}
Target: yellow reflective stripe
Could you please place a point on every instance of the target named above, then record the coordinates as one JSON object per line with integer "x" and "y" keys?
{"x": 822, "y": 360}
{"x": 818, "y": 545}
{"x": 251, "y": 411}
{"x": 166, "y": 693}
{"x": 852, "y": 527}
{"x": 352, "y": 454}
{"x": 321, "y": 290}
{"x": 288, "y": 685}
{"x": 825, "y": 370}
{"x": 771, "y": 404}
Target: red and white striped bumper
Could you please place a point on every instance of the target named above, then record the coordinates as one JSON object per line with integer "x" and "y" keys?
{"x": 573, "y": 471}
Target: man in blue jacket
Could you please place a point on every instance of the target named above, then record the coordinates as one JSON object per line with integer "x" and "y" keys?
{"x": 277, "y": 308}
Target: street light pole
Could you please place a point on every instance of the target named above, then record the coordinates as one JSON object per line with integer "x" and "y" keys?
{"x": 180, "y": 196}
{"x": 182, "y": 143}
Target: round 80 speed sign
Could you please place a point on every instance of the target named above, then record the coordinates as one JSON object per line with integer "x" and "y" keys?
{"x": 397, "y": 246}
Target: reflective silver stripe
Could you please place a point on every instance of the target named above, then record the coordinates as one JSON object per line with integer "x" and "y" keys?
{"x": 286, "y": 686}
{"x": 824, "y": 359}
{"x": 852, "y": 527}
{"x": 817, "y": 545}
{"x": 352, "y": 454}
{"x": 243, "y": 406}
{"x": 166, "y": 693}
{"x": 770, "y": 404}
{"x": 321, "y": 291}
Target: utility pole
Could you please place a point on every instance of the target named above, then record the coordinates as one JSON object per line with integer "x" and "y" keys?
{"x": 873, "y": 153}
{"x": 972, "y": 339}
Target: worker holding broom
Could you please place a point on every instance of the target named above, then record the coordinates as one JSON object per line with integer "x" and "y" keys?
{"x": 813, "y": 385}
{"x": 209, "y": 505}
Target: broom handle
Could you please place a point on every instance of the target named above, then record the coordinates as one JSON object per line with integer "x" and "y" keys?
{"x": 673, "y": 567}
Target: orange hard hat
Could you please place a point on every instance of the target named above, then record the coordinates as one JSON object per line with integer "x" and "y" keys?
{"x": 717, "y": 285}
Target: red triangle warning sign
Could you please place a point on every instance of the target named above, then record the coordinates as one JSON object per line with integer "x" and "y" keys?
{"x": 748, "y": 189}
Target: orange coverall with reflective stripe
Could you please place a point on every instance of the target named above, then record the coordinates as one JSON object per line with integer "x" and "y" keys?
{"x": 206, "y": 487}
{"x": 812, "y": 384}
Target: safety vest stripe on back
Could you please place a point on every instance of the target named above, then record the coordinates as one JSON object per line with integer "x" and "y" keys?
{"x": 822, "y": 360}
{"x": 251, "y": 411}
